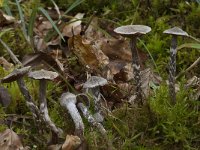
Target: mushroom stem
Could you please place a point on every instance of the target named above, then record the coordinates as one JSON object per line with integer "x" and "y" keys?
{"x": 29, "y": 100}
{"x": 68, "y": 100}
{"x": 94, "y": 123}
{"x": 136, "y": 70}
{"x": 91, "y": 119}
{"x": 44, "y": 109}
{"x": 172, "y": 69}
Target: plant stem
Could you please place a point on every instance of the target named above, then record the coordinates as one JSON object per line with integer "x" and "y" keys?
{"x": 44, "y": 109}
{"x": 136, "y": 70}
{"x": 29, "y": 100}
{"x": 172, "y": 69}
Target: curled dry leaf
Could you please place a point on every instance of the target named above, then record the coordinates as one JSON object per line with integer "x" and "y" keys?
{"x": 87, "y": 54}
{"x": 71, "y": 142}
{"x": 9, "y": 140}
{"x": 74, "y": 28}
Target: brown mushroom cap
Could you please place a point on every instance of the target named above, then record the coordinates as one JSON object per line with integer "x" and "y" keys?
{"x": 176, "y": 31}
{"x": 43, "y": 74}
{"x": 95, "y": 81}
{"x": 131, "y": 30}
{"x": 16, "y": 74}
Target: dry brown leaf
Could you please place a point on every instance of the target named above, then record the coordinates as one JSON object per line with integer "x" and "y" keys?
{"x": 71, "y": 142}
{"x": 73, "y": 28}
{"x": 148, "y": 78}
{"x": 93, "y": 33}
{"x": 9, "y": 140}
{"x": 87, "y": 54}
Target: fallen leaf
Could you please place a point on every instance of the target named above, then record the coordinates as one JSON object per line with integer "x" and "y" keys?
{"x": 9, "y": 140}
{"x": 74, "y": 28}
{"x": 87, "y": 54}
{"x": 148, "y": 78}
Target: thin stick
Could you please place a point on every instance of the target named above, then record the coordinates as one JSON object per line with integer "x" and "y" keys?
{"x": 12, "y": 55}
{"x": 189, "y": 68}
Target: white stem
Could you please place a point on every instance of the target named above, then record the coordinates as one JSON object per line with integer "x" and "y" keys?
{"x": 68, "y": 100}
{"x": 91, "y": 119}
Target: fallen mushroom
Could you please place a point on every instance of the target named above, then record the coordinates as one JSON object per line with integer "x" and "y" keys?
{"x": 17, "y": 75}
{"x": 68, "y": 100}
{"x": 43, "y": 76}
{"x": 132, "y": 32}
{"x": 172, "y": 65}
{"x": 91, "y": 86}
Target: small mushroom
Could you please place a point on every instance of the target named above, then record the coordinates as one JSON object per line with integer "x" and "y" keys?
{"x": 43, "y": 76}
{"x": 92, "y": 86}
{"x": 68, "y": 100}
{"x": 17, "y": 75}
{"x": 132, "y": 32}
{"x": 172, "y": 65}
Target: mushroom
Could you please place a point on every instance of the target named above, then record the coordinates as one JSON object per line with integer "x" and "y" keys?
{"x": 17, "y": 75}
{"x": 43, "y": 76}
{"x": 175, "y": 31}
{"x": 92, "y": 87}
{"x": 132, "y": 32}
{"x": 68, "y": 100}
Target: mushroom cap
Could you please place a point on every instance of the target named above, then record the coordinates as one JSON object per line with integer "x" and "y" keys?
{"x": 43, "y": 74}
{"x": 94, "y": 81}
{"x": 67, "y": 98}
{"x": 176, "y": 31}
{"x": 16, "y": 74}
{"x": 131, "y": 30}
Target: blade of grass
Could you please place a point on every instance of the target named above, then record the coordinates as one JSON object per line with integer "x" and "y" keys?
{"x": 149, "y": 54}
{"x": 76, "y": 3}
{"x": 21, "y": 16}
{"x": 31, "y": 25}
{"x": 51, "y": 21}
{"x": 189, "y": 45}
{"x": 4, "y": 31}
{"x": 7, "y": 8}
{"x": 12, "y": 55}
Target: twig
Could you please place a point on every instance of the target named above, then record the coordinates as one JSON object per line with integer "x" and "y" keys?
{"x": 189, "y": 68}
{"x": 12, "y": 55}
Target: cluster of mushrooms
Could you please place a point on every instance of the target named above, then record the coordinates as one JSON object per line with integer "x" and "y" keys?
{"x": 91, "y": 87}
{"x": 135, "y": 31}
{"x": 68, "y": 100}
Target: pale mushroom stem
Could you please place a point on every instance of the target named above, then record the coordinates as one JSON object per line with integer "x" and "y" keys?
{"x": 136, "y": 70}
{"x": 91, "y": 119}
{"x": 29, "y": 100}
{"x": 172, "y": 69}
{"x": 70, "y": 105}
{"x": 44, "y": 109}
